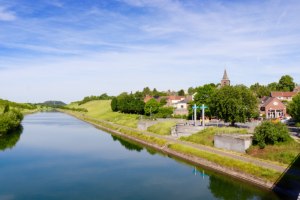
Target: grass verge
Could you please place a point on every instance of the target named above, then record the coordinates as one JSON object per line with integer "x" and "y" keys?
{"x": 249, "y": 168}
{"x": 163, "y": 128}
{"x": 206, "y": 136}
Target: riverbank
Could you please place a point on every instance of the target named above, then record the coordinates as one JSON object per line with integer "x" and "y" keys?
{"x": 261, "y": 176}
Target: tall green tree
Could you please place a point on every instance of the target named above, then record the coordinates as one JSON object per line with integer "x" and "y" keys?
{"x": 294, "y": 108}
{"x": 263, "y": 91}
{"x": 203, "y": 97}
{"x": 146, "y": 91}
{"x": 163, "y": 101}
{"x": 181, "y": 92}
{"x": 255, "y": 87}
{"x": 273, "y": 86}
{"x": 234, "y": 104}
{"x": 191, "y": 90}
{"x": 114, "y": 104}
{"x": 286, "y": 84}
{"x": 153, "y": 104}
{"x": 140, "y": 105}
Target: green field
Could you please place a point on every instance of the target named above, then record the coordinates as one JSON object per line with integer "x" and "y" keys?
{"x": 100, "y": 109}
{"x": 163, "y": 128}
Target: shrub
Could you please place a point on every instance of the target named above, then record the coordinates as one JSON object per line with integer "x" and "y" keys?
{"x": 270, "y": 133}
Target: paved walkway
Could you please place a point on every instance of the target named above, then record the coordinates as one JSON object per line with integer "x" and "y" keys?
{"x": 222, "y": 153}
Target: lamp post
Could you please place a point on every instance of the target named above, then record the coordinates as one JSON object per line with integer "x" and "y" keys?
{"x": 150, "y": 113}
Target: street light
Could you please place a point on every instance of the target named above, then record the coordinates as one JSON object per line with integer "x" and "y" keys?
{"x": 150, "y": 113}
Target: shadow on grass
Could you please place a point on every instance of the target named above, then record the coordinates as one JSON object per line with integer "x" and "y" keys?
{"x": 289, "y": 181}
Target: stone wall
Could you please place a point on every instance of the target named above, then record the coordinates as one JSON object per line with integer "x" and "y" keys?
{"x": 232, "y": 143}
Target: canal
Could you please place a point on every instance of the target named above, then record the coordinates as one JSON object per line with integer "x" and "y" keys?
{"x": 56, "y": 156}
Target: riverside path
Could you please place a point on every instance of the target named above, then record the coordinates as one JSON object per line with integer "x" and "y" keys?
{"x": 211, "y": 150}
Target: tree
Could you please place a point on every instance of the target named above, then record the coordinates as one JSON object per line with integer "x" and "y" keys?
{"x": 263, "y": 91}
{"x": 213, "y": 85}
{"x": 255, "y": 87}
{"x": 140, "y": 105}
{"x": 122, "y": 96}
{"x": 270, "y": 133}
{"x": 114, "y": 104}
{"x": 153, "y": 104}
{"x": 203, "y": 97}
{"x": 273, "y": 86}
{"x": 234, "y": 104}
{"x": 146, "y": 91}
{"x": 138, "y": 94}
{"x": 294, "y": 108}
{"x": 191, "y": 90}
{"x": 163, "y": 101}
{"x": 181, "y": 92}
{"x": 286, "y": 84}
{"x": 154, "y": 91}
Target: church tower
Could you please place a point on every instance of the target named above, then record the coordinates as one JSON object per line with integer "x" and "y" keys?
{"x": 225, "y": 80}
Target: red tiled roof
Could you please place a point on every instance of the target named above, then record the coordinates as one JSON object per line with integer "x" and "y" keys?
{"x": 283, "y": 94}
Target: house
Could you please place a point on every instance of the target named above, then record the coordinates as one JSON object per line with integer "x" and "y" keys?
{"x": 171, "y": 100}
{"x": 272, "y": 107}
{"x": 181, "y": 108}
{"x": 148, "y": 97}
{"x": 283, "y": 95}
{"x": 297, "y": 89}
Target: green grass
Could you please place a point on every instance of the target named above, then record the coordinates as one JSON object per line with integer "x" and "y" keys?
{"x": 249, "y": 168}
{"x": 142, "y": 136}
{"x": 100, "y": 109}
{"x": 206, "y": 136}
{"x": 284, "y": 153}
{"x": 163, "y": 128}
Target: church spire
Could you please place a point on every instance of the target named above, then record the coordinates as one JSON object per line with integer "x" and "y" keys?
{"x": 225, "y": 77}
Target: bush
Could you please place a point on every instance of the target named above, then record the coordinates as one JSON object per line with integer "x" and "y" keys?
{"x": 10, "y": 120}
{"x": 270, "y": 133}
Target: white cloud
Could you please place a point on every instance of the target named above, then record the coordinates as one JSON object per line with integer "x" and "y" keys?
{"x": 6, "y": 15}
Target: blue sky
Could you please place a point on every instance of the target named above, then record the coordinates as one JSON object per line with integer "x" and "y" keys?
{"x": 68, "y": 49}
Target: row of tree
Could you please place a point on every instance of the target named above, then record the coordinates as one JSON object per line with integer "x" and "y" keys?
{"x": 128, "y": 104}
{"x": 17, "y": 105}
{"x": 285, "y": 84}
{"x": 74, "y": 109}
{"x": 86, "y": 99}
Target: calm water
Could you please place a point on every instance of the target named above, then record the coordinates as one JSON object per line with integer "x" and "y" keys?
{"x": 56, "y": 156}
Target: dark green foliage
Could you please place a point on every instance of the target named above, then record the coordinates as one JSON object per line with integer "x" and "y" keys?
{"x": 6, "y": 108}
{"x": 273, "y": 86}
{"x": 10, "y": 139}
{"x": 191, "y": 90}
{"x": 114, "y": 104}
{"x": 255, "y": 87}
{"x": 163, "y": 101}
{"x": 203, "y": 96}
{"x": 10, "y": 120}
{"x": 294, "y": 108}
{"x": 181, "y": 92}
{"x": 74, "y": 109}
{"x": 164, "y": 112}
{"x": 263, "y": 91}
{"x": 103, "y": 96}
{"x": 286, "y": 84}
{"x": 270, "y": 133}
{"x": 154, "y": 106}
{"x": 129, "y": 104}
{"x": 234, "y": 104}
{"x": 17, "y": 105}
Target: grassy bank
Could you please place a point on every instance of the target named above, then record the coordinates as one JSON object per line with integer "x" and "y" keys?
{"x": 163, "y": 128}
{"x": 100, "y": 109}
{"x": 206, "y": 136}
{"x": 249, "y": 168}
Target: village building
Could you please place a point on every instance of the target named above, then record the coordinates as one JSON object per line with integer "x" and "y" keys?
{"x": 225, "y": 80}
{"x": 297, "y": 89}
{"x": 181, "y": 108}
{"x": 272, "y": 107}
{"x": 283, "y": 95}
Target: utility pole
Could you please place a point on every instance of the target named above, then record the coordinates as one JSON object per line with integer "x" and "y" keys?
{"x": 150, "y": 113}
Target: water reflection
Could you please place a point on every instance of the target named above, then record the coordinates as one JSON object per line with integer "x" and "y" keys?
{"x": 10, "y": 139}
{"x": 129, "y": 145}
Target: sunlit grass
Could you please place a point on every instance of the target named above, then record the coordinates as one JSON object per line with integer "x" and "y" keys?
{"x": 163, "y": 128}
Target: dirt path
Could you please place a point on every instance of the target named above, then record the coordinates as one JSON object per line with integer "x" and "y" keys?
{"x": 222, "y": 153}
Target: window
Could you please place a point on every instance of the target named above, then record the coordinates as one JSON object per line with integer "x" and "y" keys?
{"x": 224, "y": 83}
{"x": 181, "y": 106}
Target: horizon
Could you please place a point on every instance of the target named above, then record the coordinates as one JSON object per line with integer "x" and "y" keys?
{"x": 68, "y": 50}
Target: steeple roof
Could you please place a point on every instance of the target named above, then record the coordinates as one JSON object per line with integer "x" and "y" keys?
{"x": 225, "y": 77}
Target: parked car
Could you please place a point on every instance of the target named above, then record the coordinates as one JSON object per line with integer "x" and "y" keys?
{"x": 284, "y": 120}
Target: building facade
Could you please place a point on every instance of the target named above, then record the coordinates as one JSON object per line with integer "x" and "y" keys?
{"x": 272, "y": 107}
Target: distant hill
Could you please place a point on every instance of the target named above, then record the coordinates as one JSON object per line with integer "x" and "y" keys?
{"x": 52, "y": 103}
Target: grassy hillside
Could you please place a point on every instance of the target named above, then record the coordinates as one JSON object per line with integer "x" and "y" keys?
{"x": 100, "y": 109}
{"x": 163, "y": 128}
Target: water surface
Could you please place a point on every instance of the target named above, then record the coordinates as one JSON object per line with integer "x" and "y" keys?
{"x": 57, "y": 156}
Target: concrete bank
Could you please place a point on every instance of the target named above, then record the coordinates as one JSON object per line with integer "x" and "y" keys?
{"x": 194, "y": 159}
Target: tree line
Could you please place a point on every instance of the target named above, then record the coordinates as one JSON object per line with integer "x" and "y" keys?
{"x": 74, "y": 109}
{"x": 86, "y": 99}
{"x": 10, "y": 118}
{"x": 18, "y": 105}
